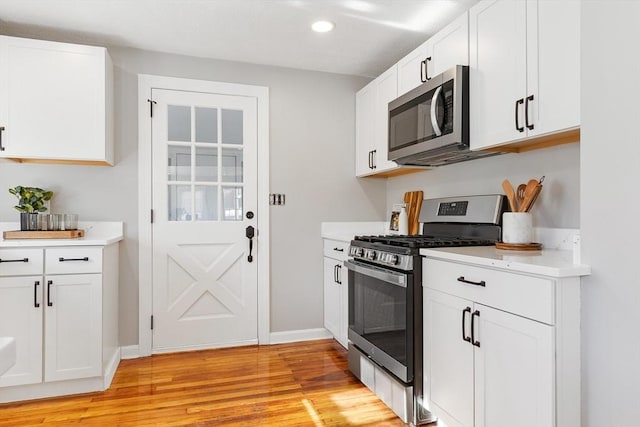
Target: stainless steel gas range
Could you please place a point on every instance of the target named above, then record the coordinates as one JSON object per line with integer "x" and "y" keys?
{"x": 385, "y": 295}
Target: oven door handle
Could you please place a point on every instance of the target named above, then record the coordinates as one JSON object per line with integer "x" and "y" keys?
{"x": 395, "y": 278}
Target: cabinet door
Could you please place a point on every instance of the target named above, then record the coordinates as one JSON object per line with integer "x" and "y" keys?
{"x": 514, "y": 370}
{"x": 73, "y": 326}
{"x": 450, "y": 46}
{"x": 53, "y": 99}
{"x": 387, "y": 91}
{"x": 410, "y": 71}
{"x": 365, "y": 128}
{"x": 448, "y": 358}
{"x": 497, "y": 79}
{"x": 331, "y": 297}
{"x": 21, "y": 317}
{"x": 553, "y": 65}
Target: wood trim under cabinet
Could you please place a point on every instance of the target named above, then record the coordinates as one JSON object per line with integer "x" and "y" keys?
{"x": 62, "y": 162}
{"x": 397, "y": 172}
{"x": 546, "y": 141}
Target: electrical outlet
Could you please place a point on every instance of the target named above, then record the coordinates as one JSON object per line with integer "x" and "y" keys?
{"x": 276, "y": 199}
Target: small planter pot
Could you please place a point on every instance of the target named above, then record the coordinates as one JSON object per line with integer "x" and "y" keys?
{"x": 28, "y": 221}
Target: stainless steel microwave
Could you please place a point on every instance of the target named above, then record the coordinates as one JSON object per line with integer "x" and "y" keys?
{"x": 429, "y": 125}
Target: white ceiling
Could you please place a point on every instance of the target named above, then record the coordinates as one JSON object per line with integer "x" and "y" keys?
{"x": 370, "y": 35}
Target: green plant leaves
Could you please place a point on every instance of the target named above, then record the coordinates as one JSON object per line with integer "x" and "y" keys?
{"x": 31, "y": 199}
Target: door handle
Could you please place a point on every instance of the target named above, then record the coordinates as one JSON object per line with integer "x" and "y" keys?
{"x": 250, "y": 234}
{"x": 480, "y": 283}
{"x": 36, "y": 304}
{"x": 339, "y": 274}
{"x": 424, "y": 71}
{"x": 1, "y": 146}
{"x": 526, "y": 113}
{"x": 473, "y": 338}
{"x": 518, "y": 127}
{"x": 464, "y": 317}
{"x": 437, "y": 127}
{"x": 50, "y": 304}
{"x": 373, "y": 159}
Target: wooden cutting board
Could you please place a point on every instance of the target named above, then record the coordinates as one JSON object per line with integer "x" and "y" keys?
{"x": 62, "y": 234}
{"x": 413, "y": 199}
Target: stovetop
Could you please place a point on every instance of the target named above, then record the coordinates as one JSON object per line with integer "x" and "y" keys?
{"x": 424, "y": 241}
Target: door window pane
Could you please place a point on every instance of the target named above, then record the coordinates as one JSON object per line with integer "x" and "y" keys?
{"x": 206, "y": 203}
{"x": 180, "y": 203}
{"x": 179, "y": 163}
{"x": 206, "y": 164}
{"x": 232, "y": 127}
{"x": 232, "y": 203}
{"x": 206, "y": 125}
{"x": 179, "y": 123}
{"x": 232, "y": 165}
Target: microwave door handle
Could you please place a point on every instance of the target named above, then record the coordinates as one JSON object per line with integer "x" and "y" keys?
{"x": 434, "y": 105}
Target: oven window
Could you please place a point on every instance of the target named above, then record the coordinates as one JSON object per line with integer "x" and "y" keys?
{"x": 378, "y": 314}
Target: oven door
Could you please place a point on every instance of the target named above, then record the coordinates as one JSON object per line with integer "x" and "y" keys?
{"x": 381, "y": 316}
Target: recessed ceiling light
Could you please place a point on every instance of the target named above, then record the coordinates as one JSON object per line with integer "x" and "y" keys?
{"x": 322, "y": 26}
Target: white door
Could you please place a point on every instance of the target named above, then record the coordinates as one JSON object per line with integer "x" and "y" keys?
{"x": 497, "y": 79}
{"x": 448, "y": 357}
{"x": 21, "y": 317}
{"x": 204, "y": 167}
{"x": 514, "y": 370}
{"x": 72, "y": 326}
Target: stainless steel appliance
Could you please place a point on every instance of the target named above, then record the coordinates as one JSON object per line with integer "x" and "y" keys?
{"x": 429, "y": 125}
{"x": 385, "y": 288}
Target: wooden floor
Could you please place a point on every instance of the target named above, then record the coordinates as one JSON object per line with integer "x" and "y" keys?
{"x": 300, "y": 384}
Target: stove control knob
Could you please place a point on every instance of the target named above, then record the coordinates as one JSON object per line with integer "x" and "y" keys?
{"x": 357, "y": 252}
{"x": 382, "y": 257}
{"x": 393, "y": 259}
{"x": 371, "y": 255}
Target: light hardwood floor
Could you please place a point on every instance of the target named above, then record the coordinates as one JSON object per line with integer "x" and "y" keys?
{"x": 299, "y": 384}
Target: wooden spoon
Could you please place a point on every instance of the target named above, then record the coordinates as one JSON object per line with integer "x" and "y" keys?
{"x": 530, "y": 194}
{"x": 520, "y": 194}
{"x": 511, "y": 194}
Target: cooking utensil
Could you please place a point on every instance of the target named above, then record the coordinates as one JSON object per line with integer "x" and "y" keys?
{"x": 531, "y": 194}
{"x": 413, "y": 199}
{"x": 511, "y": 195}
{"x": 520, "y": 193}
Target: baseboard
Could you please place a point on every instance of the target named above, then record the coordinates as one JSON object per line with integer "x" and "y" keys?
{"x": 130, "y": 352}
{"x": 111, "y": 368}
{"x": 133, "y": 351}
{"x": 298, "y": 335}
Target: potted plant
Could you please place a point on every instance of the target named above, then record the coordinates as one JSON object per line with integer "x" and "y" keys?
{"x": 31, "y": 201}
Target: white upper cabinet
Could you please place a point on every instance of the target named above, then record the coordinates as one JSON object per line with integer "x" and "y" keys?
{"x": 524, "y": 79}
{"x": 447, "y": 48}
{"x": 372, "y": 124}
{"x": 55, "y": 102}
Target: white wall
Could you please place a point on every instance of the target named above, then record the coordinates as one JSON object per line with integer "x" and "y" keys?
{"x": 610, "y": 211}
{"x": 312, "y": 162}
{"x": 556, "y": 207}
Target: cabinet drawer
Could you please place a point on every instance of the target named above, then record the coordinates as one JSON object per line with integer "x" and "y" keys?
{"x": 17, "y": 262}
{"x": 527, "y": 296}
{"x": 73, "y": 260}
{"x": 336, "y": 249}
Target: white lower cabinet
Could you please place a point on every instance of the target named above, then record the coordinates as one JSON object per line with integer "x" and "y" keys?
{"x": 336, "y": 290}
{"x": 73, "y": 327}
{"x": 21, "y": 317}
{"x": 64, "y": 324}
{"x": 485, "y": 366}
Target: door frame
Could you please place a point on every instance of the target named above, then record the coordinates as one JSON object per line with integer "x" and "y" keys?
{"x": 147, "y": 82}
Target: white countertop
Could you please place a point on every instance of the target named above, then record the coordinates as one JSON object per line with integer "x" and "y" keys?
{"x": 551, "y": 262}
{"x": 344, "y": 231}
{"x": 96, "y": 234}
